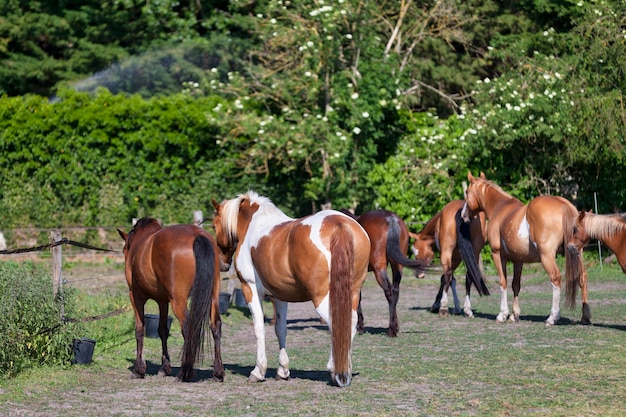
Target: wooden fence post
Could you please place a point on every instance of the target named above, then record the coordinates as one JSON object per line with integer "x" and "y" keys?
{"x": 57, "y": 267}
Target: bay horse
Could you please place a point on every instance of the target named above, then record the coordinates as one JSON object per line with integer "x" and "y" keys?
{"x": 456, "y": 241}
{"x": 389, "y": 238}
{"x": 610, "y": 229}
{"x": 321, "y": 258}
{"x": 527, "y": 233}
{"x": 174, "y": 265}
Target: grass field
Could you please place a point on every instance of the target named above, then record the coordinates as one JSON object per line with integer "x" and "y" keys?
{"x": 436, "y": 367}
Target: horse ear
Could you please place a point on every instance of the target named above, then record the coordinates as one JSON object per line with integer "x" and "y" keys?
{"x": 122, "y": 234}
{"x": 413, "y": 235}
{"x": 470, "y": 177}
{"x": 215, "y": 204}
{"x": 482, "y": 175}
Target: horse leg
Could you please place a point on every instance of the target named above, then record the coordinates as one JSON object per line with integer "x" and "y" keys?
{"x": 166, "y": 366}
{"x": 216, "y": 331}
{"x": 501, "y": 268}
{"x": 360, "y": 326}
{"x": 467, "y": 306}
{"x": 383, "y": 281}
{"x": 447, "y": 281}
{"x": 251, "y": 293}
{"x": 549, "y": 264}
{"x": 516, "y": 286}
{"x": 281, "y": 333}
{"x": 586, "y": 317}
{"x": 186, "y": 369}
{"x": 457, "y": 302}
{"x": 139, "y": 371}
{"x": 394, "y": 326}
{"x": 437, "y": 304}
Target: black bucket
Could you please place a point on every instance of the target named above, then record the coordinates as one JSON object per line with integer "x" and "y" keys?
{"x": 152, "y": 325}
{"x": 83, "y": 351}
{"x": 224, "y": 302}
{"x": 240, "y": 300}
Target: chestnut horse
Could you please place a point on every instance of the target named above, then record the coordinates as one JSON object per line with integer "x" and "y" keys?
{"x": 175, "y": 264}
{"x": 320, "y": 258}
{"x": 610, "y": 229}
{"x": 526, "y": 233}
{"x": 456, "y": 241}
{"x": 389, "y": 238}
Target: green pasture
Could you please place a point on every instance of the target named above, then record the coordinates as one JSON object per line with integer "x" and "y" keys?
{"x": 453, "y": 366}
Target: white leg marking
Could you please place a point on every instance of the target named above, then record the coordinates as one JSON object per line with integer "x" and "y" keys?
{"x": 504, "y": 306}
{"x": 555, "y": 311}
{"x": 467, "y": 307}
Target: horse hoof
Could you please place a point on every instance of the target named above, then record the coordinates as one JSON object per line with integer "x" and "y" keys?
{"x": 254, "y": 379}
{"x": 469, "y": 315}
{"x": 585, "y": 321}
{"x": 360, "y": 331}
{"x": 282, "y": 378}
{"x": 341, "y": 380}
{"x": 444, "y": 313}
{"x": 218, "y": 378}
{"x": 134, "y": 375}
{"x": 392, "y": 333}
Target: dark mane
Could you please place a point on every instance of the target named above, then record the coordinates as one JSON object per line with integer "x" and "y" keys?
{"x": 143, "y": 223}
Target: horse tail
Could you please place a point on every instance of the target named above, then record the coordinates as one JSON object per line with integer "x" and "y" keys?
{"x": 573, "y": 260}
{"x": 341, "y": 275}
{"x": 200, "y": 298}
{"x": 395, "y": 253}
{"x": 466, "y": 248}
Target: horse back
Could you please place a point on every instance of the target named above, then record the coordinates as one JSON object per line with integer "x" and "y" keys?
{"x": 293, "y": 258}
{"x": 376, "y": 225}
{"x": 169, "y": 265}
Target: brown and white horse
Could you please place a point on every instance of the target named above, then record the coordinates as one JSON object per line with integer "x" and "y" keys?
{"x": 610, "y": 229}
{"x": 321, "y": 258}
{"x": 444, "y": 231}
{"x": 179, "y": 265}
{"x": 389, "y": 238}
{"x": 527, "y": 233}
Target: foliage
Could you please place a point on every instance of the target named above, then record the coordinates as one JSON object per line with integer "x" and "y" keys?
{"x": 34, "y": 332}
{"x": 104, "y": 159}
{"x": 553, "y": 123}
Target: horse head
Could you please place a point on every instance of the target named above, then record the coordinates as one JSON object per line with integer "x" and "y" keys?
{"x": 422, "y": 247}
{"x": 472, "y": 202}
{"x": 580, "y": 237}
{"x": 225, "y": 238}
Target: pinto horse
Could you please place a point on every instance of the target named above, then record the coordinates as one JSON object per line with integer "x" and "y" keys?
{"x": 179, "y": 265}
{"x": 389, "y": 238}
{"x": 321, "y": 258}
{"x": 526, "y": 233}
{"x": 610, "y": 229}
{"x": 448, "y": 233}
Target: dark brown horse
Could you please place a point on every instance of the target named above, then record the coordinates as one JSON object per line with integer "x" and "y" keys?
{"x": 610, "y": 229}
{"x": 174, "y": 265}
{"x": 527, "y": 233}
{"x": 320, "y": 258}
{"x": 449, "y": 234}
{"x": 389, "y": 238}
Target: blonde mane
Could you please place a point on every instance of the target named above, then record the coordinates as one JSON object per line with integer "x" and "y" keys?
{"x": 484, "y": 183}
{"x": 604, "y": 226}
{"x": 230, "y": 209}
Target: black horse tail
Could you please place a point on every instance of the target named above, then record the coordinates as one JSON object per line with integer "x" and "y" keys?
{"x": 200, "y": 298}
{"x": 395, "y": 253}
{"x": 464, "y": 243}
